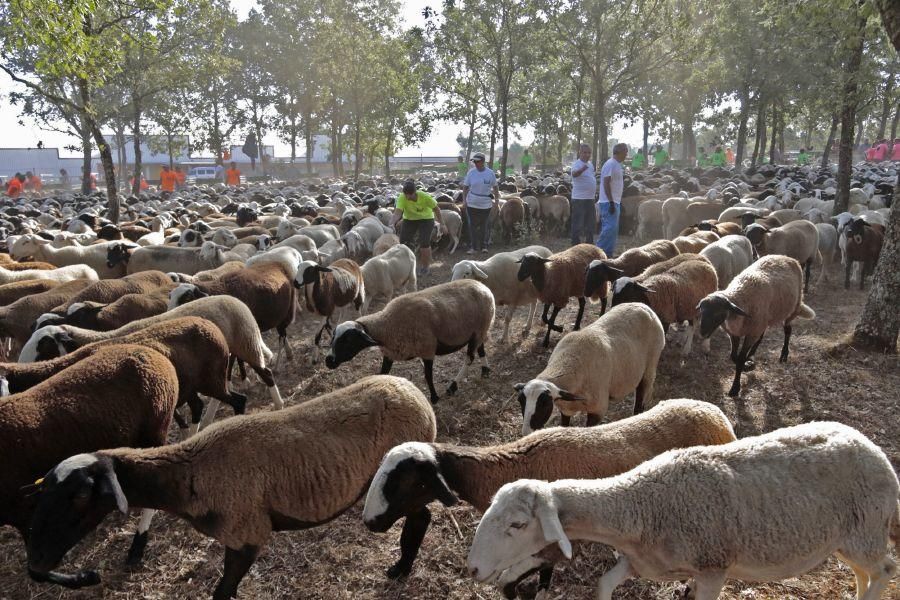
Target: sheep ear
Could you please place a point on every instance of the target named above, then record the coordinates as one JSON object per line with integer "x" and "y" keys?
{"x": 443, "y": 492}
{"x": 551, "y": 525}
{"x": 569, "y": 396}
{"x": 109, "y": 487}
{"x": 644, "y": 288}
{"x": 479, "y": 273}
{"x": 519, "y": 387}
{"x": 735, "y": 308}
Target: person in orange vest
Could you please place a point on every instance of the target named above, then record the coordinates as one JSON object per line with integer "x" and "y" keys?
{"x": 167, "y": 179}
{"x": 180, "y": 178}
{"x": 144, "y": 184}
{"x": 233, "y": 175}
{"x": 729, "y": 156}
{"x": 16, "y": 186}
{"x": 33, "y": 183}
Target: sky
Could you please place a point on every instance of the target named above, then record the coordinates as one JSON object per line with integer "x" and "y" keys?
{"x": 18, "y": 133}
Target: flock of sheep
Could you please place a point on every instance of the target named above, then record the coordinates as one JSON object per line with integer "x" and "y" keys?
{"x": 117, "y": 326}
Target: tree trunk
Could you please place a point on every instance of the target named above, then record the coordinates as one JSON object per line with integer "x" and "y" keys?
{"x": 886, "y": 104}
{"x": 169, "y": 144}
{"x": 830, "y": 141}
{"x": 294, "y": 129}
{"x": 257, "y": 123}
{"x": 781, "y": 124}
{"x": 595, "y": 127}
{"x": 742, "y": 128}
{"x": 759, "y": 145}
{"x": 603, "y": 151}
{"x": 308, "y": 138}
{"x": 106, "y": 157}
{"x": 894, "y": 124}
{"x": 504, "y": 126}
{"x": 136, "y": 133}
{"x": 860, "y": 127}
{"x": 85, "y": 158}
{"x": 335, "y": 150}
{"x": 357, "y": 154}
{"x": 774, "y": 134}
{"x": 579, "y": 94}
{"x": 215, "y": 138}
{"x": 493, "y": 141}
{"x": 848, "y": 118}
{"x": 879, "y": 324}
{"x": 472, "y": 119}
{"x": 646, "y": 138}
{"x": 121, "y": 154}
{"x": 686, "y": 133}
{"x": 809, "y": 127}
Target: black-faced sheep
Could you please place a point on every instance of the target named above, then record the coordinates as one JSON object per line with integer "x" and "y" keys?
{"x": 240, "y": 479}
{"x": 628, "y": 264}
{"x": 446, "y": 318}
{"x": 863, "y": 244}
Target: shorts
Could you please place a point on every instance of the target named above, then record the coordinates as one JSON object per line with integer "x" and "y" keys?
{"x": 416, "y": 233}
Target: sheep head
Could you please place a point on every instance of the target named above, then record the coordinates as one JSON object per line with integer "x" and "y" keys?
{"x": 598, "y": 273}
{"x": 531, "y": 264}
{"x": 714, "y": 310}
{"x": 74, "y": 498}
{"x": 349, "y": 339}
{"x": 408, "y": 479}
{"x": 536, "y": 399}
{"x": 118, "y": 253}
{"x": 626, "y": 289}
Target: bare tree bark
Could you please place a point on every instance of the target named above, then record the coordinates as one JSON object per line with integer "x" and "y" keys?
{"x": 848, "y": 118}
{"x": 829, "y": 143}
{"x": 742, "y": 128}
{"x": 774, "y": 134}
{"x": 759, "y": 145}
{"x": 136, "y": 132}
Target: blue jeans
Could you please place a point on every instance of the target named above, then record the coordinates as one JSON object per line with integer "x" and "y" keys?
{"x": 609, "y": 228}
{"x": 584, "y": 220}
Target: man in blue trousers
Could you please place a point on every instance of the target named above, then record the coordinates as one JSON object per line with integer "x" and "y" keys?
{"x": 610, "y": 204}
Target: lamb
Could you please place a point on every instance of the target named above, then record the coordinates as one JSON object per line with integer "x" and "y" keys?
{"x": 94, "y": 256}
{"x": 558, "y": 278}
{"x": 450, "y": 225}
{"x": 123, "y": 395}
{"x": 385, "y": 243}
{"x": 16, "y": 318}
{"x": 863, "y": 244}
{"x": 386, "y": 273}
{"x": 62, "y": 274}
{"x": 672, "y": 289}
{"x": 229, "y": 314}
{"x": 266, "y": 290}
{"x": 195, "y": 346}
{"x": 729, "y": 256}
{"x": 674, "y": 216}
{"x": 616, "y": 354}
{"x": 554, "y": 211}
{"x": 628, "y": 264}
{"x": 498, "y": 273}
{"x": 768, "y": 292}
{"x": 10, "y": 292}
{"x": 361, "y": 239}
{"x": 650, "y": 223}
{"x": 448, "y": 317}
{"x": 695, "y": 242}
{"x": 714, "y": 512}
{"x": 414, "y": 474}
{"x": 326, "y": 289}
{"x": 828, "y": 245}
{"x": 513, "y": 216}
{"x": 106, "y": 317}
{"x": 261, "y": 473}
{"x": 168, "y": 258}
{"x": 798, "y": 239}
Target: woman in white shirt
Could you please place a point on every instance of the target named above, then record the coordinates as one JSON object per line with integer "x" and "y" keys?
{"x": 479, "y": 184}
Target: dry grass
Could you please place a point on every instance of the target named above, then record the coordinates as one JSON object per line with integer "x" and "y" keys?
{"x": 344, "y": 560}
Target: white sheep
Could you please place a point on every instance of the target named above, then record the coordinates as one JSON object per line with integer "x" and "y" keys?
{"x": 616, "y": 354}
{"x": 387, "y": 273}
{"x": 762, "y": 508}
{"x": 729, "y": 256}
{"x": 499, "y": 274}
{"x": 62, "y": 274}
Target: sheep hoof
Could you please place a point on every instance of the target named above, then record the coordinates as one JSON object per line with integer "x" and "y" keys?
{"x": 435, "y": 398}
{"x": 398, "y": 571}
{"x": 85, "y": 579}
{"x": 556, "y": 328}
{"x": 136, "y": 552}
{"x": 452, "y": 389}
{"x": 749, "y": 366}
{"x": 485, "y": 372}
{"x": 735, "y": 391}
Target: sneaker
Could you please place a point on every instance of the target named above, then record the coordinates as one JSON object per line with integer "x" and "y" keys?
{"x": 470, "y": 251}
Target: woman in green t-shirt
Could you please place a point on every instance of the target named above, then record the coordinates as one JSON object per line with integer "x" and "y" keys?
{"x": 418, "y": 211}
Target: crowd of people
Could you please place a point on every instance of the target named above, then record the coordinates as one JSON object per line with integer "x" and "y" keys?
{"x": 881, "y": 150}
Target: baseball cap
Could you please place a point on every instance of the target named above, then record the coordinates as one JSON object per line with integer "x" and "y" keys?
{"x": 478, "y": 156}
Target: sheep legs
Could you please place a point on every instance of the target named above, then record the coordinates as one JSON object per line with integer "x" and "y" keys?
{"x": 266, "y": 375}
{"x": 709, "y": 585}
{"x": 581, "y": 302}
{"x": 807, "y": 274}
{"x": 532, "y": 311}
{"x": 386, "y": 365}
{"x": 237, "y": 563}
{"x": 614, "y": 578}
{"x": 139, "y": 542}
{"x": 79, "y": 580}
{"x": 485, "y": 367}
{"x": 463, "y": 370}
{"x": 551, "y": 324}
{"x": 410, "y": 540}
{"x": 429, "y": 379}
{"x": 740, "y": 363}
{"x": 787, "y": 339}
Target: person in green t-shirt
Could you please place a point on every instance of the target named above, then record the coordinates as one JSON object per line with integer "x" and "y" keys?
{"x": 718, "y": 157}
{"x": 419, "y": 211}
{"x": 702, "y": 158}
{"x": 802, "y": 157}
{"x": 637, "y": 161}
{"x": 462, "y": 167}
{"x": 660, "y": 157}
{"x": 526, "y": 162}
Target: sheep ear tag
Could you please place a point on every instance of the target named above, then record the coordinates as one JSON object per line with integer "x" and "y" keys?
{"x": 552, "y": 527}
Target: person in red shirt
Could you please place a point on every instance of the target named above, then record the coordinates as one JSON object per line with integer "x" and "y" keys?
{"x": 233, "y": 175}
{"x": 881, "y": 151}
{"x": 895, "y": 153}
{"x": 16, "y": 186}
{"x": 167, "y": 179}
{"x": 33, "y": 183}
{"x": 180, "y": 178}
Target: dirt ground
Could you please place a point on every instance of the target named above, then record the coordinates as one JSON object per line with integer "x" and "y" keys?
{"x": 344, "y": 560}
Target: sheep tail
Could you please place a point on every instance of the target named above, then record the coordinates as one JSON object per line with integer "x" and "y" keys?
{"x": 805, "y": 312}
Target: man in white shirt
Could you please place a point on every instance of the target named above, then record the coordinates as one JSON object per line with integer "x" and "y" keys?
{"x": 584, "y": 191}
{"x": 611, "y": 185}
